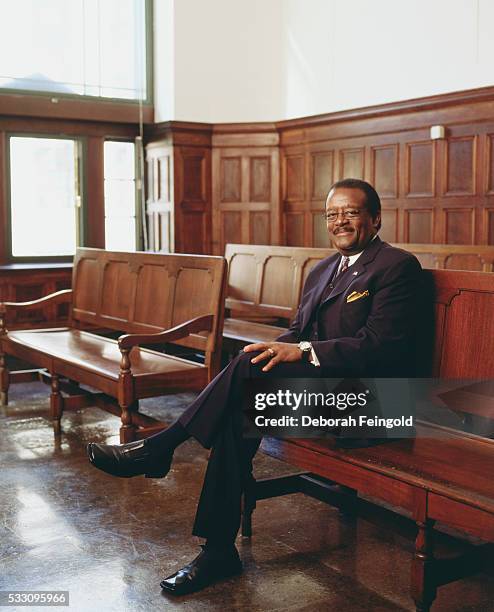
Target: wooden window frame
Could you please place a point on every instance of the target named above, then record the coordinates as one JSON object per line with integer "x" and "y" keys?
{"x": 72, "y": 106}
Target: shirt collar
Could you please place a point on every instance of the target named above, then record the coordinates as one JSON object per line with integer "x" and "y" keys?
{"x": 353, "y": 258}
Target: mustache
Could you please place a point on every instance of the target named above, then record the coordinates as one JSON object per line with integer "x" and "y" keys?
{"x": 342, "y": 229}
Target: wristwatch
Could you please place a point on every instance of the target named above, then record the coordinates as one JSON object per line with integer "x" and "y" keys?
{"x": 306, "y": 348}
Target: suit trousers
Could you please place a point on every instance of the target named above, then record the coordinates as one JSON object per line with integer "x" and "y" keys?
{"x": 215, "y": 419}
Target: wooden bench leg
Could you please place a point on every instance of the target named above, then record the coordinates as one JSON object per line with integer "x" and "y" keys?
{"x": 4, "y": 381}
{"x": 56, "y": 404}
{"x": 422, "y": 585}
{"x": 128, "y": 429}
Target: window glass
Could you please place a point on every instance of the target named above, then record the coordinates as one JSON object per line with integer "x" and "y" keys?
{"x": 43, "y": 196}
{"x": 78, "y": 47}
{"x": 120, "y": 196}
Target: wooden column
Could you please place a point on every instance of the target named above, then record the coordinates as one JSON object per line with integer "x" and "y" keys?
{"x": 95, "y": 193}
{"x": 178, "y": 179}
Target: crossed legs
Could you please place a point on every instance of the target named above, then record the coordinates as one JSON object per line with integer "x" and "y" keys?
{"x": 214, "y": 419}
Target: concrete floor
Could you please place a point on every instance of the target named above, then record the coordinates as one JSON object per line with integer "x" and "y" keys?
{"x": 109, "y": 541}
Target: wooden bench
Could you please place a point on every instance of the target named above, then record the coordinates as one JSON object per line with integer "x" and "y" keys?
{"x": 264, "y": 289}
{"x": 265, "y": 282}
{"x": 442, "y": 476}
{"x": 153, "y": 298}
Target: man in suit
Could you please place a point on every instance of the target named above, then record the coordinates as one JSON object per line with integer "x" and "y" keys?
{"x": 356, "y": 318}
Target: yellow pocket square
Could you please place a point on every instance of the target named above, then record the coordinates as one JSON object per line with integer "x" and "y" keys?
{"x": 356, "y": 295}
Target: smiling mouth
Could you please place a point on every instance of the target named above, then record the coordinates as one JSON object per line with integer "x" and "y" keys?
{"x": 342, "y": 233}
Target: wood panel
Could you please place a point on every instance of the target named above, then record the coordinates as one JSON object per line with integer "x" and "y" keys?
{"x": 294, "y": 171}
{"x": 95, "y": 190}
{"x": 260, "y": 227}
{"x": 260, "y": 179}
{"x": 490, "y": 164}
{"x": 459, "y": 225}
{"x": 459, "y": 169}
{"x": 322, "y": 174}
{"x": 20, "y": 283}
{"x": 419, "y": 225}
{"x": 490, "y": 225}
{"x": 467, "y": 360}
{"x": 159, "y": 205}
{"x": 231, "y": 179}
{"x": 319, "y": 230}
{"x": 390, "y": 229}
{"x": 245, "y": 188}
{"x": 294, "y": 229}
{"x": 192, "y": 202}
{"x": 352, "y": 162}
{"x": 231, "y": 227}
{"x": 74, "y": 108}
{"x": 420, "y": 169}
{"x": 384, "y": 170}
{"x": 194, "y": 186}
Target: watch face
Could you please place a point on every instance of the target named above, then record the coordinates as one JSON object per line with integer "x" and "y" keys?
{"x": 305, "y": 347}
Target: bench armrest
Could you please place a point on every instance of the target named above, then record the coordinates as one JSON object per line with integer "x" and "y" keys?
{"x": 204, "y": 323}
{"x": 54, "y": 298}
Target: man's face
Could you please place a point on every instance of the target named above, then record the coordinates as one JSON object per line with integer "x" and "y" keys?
{"x": 350, "y": 225}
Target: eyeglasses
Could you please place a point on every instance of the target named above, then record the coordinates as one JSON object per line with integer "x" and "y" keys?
{"x": 348, "y": 213}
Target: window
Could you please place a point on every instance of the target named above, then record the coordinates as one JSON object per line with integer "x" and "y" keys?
{"x": 120, "y": 196}
{"x": 44, "y": 196}
{"x": 75, "y": 47}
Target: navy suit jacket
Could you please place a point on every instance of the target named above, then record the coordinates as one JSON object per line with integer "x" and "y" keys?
{"x": 372, "y": 332}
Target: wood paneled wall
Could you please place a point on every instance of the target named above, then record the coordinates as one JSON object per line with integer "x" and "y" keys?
{"x": 178, "y": 180}
{"x": 245, "y": 186}
{"x": 432, "y": 191}
{"x": 269, "y": 181}
{"x": 23, "y": 283}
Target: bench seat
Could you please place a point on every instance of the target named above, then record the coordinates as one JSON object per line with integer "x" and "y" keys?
{"x": 98, "y": 354}
{"x": 148, "y": 300}
{"x": 439, "y": 460}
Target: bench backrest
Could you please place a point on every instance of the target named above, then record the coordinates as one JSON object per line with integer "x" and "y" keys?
{"x": 149, "y": 292}
{"x": 463, "y": 324}
{"x": 267, "y": 281}
{"x": 472, "y": 257}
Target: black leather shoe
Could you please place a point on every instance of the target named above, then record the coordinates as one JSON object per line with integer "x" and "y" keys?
{"x": 201, "y": 572}
{"x": 127, "y": 460}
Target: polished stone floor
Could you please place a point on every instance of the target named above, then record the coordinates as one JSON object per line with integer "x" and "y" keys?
{"x": 109, "y": 541}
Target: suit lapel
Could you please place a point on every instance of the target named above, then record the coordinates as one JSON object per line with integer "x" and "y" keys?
{"x": 315, "y": 296}
{"x": 356, "y": 270}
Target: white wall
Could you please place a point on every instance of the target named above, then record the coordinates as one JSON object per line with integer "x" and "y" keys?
{"x": 227, "y": 61}
{"x": 342, "y": 54}
{"x": 164, "y": 59}
{"x": 264, "y": 60}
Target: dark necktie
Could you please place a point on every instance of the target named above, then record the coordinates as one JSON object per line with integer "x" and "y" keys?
{"x": 344, "y": 266}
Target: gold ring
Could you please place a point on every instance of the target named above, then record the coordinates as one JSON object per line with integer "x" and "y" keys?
{"x": 271, "y": 352}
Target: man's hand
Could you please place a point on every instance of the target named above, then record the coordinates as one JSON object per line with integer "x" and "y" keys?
{"x": 276, "y": 352}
